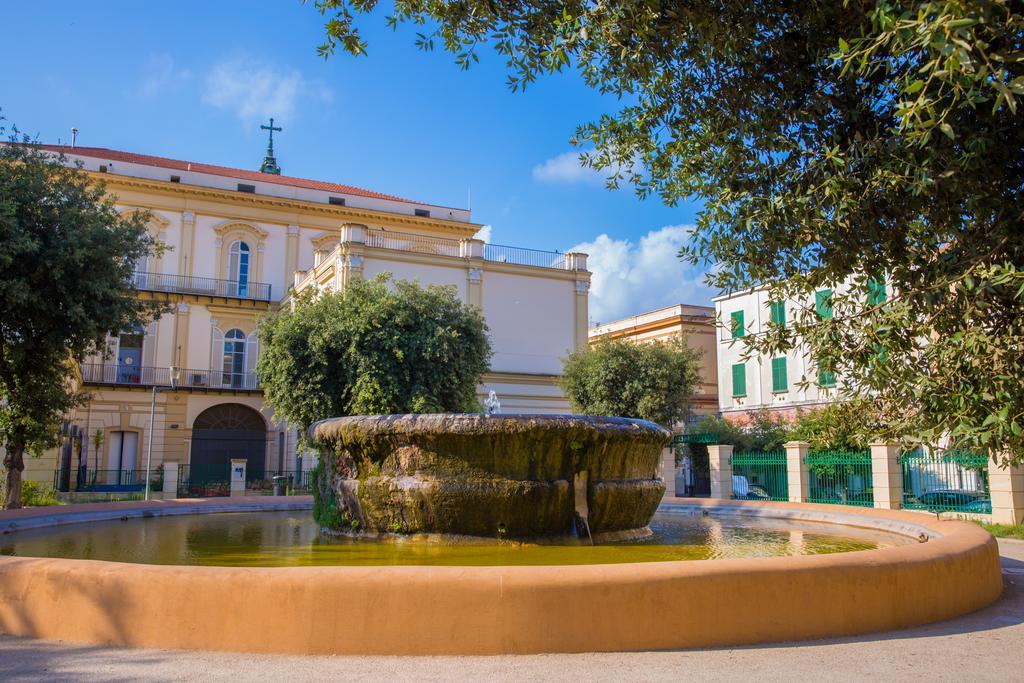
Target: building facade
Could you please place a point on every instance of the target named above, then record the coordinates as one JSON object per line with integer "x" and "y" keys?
{"x": 238, "y": 244}
{"x": 697, "y": 323}
{"x": 785, "y": 383}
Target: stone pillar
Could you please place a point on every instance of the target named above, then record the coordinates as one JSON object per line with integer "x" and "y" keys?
{"x": 471, "y": 249}
{"x": 797, "y": 473}
{"x": 668, "y": 471}
{"x": 1006, "y": 486}
{"x": 720, "y": 462}
{"x": 170, "y": 480}
{"x": 238, "y": 477}
{"x": 886, "y": 475}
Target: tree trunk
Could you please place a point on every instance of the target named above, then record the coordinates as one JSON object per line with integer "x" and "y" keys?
{"x": 14, "y": 463}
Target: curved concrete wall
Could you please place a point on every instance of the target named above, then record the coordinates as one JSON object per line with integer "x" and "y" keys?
{"x": 491, "y": 610}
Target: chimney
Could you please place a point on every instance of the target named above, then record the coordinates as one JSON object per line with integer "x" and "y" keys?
{"x": 74, "y": 137}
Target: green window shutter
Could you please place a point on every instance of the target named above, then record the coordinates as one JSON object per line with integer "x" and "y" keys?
{"x": 780, "y": 379}
{"x": 778, "y": 313}
{"x": 826, "y": 378}
{"x": 823, "y": 303}
{"x": 736, "y": 324}
{"x": 876, "y": 292}
{"x": 739, "y": 379}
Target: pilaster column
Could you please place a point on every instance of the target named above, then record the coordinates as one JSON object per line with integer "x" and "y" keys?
{"x": 238, "y": 477}
{"x": 188, "y": 232}
{"x": 720, "y": 464}
{"x": 581, "y": 311}
{"x": 886, "y": 475}
{"x": 797, "y": 474}
{"x": 1006, "y": 486}
{"x": 291, "y": 258}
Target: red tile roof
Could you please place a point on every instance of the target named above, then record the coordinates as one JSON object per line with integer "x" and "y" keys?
{"x": 175, "y": 164}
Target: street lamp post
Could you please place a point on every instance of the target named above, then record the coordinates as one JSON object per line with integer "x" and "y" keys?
{"x": 175, "y": 373}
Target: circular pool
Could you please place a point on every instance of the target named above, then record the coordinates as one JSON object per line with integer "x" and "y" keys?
{"x": 291, "y": 539}
{"x": 934, "y": 570}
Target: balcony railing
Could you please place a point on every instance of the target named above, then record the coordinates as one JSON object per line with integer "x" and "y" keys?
{"x": 421, "y": 244}
{"x": 524, "y": 257}
{"x": 137, "y": 376}
{"x": 202, "y": 286}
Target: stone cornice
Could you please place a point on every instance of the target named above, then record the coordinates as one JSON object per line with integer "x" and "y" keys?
{"x": 344, "y": 214}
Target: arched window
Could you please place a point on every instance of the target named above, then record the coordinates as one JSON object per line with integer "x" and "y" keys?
{"x": 234, "y": 358}
{"x": 238, "y": 267}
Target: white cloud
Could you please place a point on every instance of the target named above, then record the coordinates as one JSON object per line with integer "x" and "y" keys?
{"x": 162, "y": 76}
{"x": 566, "y": 168}
{"x": 631, "y": 278}
{"x": 254, "y": 90}
{"x": 484, "y": 233}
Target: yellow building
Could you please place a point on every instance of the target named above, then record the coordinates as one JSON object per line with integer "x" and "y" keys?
{"x": 697, "y": 323}
{"x": 238, "y": 242}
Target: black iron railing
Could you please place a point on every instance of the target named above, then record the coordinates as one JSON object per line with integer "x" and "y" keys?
{"x": 524, "y": 257}
{"x": 133, "y": 375}
{"x": 202, "y": 286}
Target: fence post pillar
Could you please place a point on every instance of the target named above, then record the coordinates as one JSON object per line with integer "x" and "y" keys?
{"x": 1006, "y": 486}
{"x": 720, "y": 465}
{"x": 170, "y": 480}
{"x": 886, "y": 475}
{"x": 238, "y": 477}
{"x": 797, "y": 474}
{"x": 668, "y": 470}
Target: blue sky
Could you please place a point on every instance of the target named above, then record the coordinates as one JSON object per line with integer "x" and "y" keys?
{"x": 193, "y": 80}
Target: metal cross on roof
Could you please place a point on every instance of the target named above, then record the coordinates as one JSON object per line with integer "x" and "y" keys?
{"x": 269, "y": 162}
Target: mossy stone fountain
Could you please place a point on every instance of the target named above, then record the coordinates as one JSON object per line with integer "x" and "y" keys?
{"x": 489, "y": 475}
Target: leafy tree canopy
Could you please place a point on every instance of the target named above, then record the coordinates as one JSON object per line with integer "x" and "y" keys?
{"x": 651, "y": 381}
{"x": 843, "y": 425}
{"x": 66, "y": 259}
{"x": 377, "y": 347}
{"x": 829, "y": 142}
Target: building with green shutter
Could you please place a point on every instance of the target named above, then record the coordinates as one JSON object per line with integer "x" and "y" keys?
{"x": 771, "y": 382}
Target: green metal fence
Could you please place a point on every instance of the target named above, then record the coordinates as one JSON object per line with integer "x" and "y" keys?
{"x": 204, "y": 481}
{"x": 952, "y": 481}
{"x": 760, "y": 475}
{"x": 840, "y": 478}
{"x": 114, "y": 481}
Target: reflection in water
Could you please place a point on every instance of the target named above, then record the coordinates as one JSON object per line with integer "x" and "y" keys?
{"x": 262, "y": 539}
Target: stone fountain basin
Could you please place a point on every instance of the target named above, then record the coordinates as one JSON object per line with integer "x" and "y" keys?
{"x": 498, "y": 475}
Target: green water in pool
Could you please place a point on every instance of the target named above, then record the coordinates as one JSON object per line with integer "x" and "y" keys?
{"x": 286, "y": 539}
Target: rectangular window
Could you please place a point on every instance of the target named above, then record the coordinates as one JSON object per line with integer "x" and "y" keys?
{"x": 778, "y": 313}
{"x": 780, "y": 380}
{"x": 175, "y": 178}
{"x": 876, "y": 292}
{"x": 244, "y": 187}
{"x": 337, "y": 201}
{"x": 739, "y": 380}
{"x": 823, "y": 303}
{"x": 422, "y": 213}
{"x": 736, "y": 324}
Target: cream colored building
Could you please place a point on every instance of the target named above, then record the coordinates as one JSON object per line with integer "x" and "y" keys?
{"x": 784, "y": 383}
{"x": 238, "y": 242}
{"x": 697, "y": 323}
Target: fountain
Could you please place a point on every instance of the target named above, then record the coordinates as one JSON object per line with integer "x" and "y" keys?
{"x": 490, "y": 474}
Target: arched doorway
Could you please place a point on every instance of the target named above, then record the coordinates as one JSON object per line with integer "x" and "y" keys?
{"x": 227, "y": 432}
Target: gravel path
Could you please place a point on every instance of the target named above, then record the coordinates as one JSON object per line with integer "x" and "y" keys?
{"x": 984, "y": 646}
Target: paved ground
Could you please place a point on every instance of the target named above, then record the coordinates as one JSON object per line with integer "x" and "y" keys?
{"x": 985, "y": 646}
